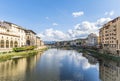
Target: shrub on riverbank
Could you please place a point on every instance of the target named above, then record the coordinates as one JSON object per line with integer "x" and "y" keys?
{"x": 25, "y": 48}
{"x": 7, "y": 56}
{"x": 103, "y": 56}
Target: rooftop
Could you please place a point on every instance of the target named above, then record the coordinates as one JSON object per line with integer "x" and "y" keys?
{"x": 17, "y": 26}
{"x": 114, "y": 20}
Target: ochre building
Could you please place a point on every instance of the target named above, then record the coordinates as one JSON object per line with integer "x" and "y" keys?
{"x": 110, "y": 37}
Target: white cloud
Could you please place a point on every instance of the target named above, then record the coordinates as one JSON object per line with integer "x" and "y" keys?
{"x": 102, "y": 21}
{"x": 77, "y": 14}
{"x": 55, "y": 24}
{"x": 53, "y": 35}
{"x": 111, "y": 13}
{"x": 80, "y": 30}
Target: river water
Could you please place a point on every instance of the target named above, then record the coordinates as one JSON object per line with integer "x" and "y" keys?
{"x": 58, "y": 65}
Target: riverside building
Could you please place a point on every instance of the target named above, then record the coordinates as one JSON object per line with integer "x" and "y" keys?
{"x": 110, "y": 37}
{"x": 12, "y": 35}
{"x": 92, "y": 40}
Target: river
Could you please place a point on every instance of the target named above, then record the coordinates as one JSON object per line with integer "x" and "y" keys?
{"x": 59, "y": 65}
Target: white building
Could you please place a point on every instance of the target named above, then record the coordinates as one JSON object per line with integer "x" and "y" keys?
{"x": 12, "y": 35}
{"x": 92, "y": 40}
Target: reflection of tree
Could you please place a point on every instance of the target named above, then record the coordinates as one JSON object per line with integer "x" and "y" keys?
{"x": 91, "y": 59}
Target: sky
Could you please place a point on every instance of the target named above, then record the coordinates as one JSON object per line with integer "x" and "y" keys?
{"x": 57, "y": 20}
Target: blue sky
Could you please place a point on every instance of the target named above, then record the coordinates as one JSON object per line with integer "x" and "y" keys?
{"x": 54, "y": 19}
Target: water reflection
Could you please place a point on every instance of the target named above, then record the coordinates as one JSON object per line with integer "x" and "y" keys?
{"x": 15, "y": 70}
{"x": 53, "y": 65}
{"x": 109, "y": 71}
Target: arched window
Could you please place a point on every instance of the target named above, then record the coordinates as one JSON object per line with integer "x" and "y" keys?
{"x": 7, "y": 44}
{"x": 28, "y": 42}
{"x": 11, "y": 44}
{"x": 2, "y": 43}
{"x": 28, "y": 37}
{"x": 16, "y": 44}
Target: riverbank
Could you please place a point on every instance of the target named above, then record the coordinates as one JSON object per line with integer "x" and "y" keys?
{"x": 95, "y": 53}
{"x": 8, "y": 56}
{"x": 100, "y": 56}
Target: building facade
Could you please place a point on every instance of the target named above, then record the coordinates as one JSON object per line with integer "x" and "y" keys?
{"x": 77, "y": 43}
{"x": 110, "y": 37}
{"x": 80, "y": 42}
{"x": 92, "y": 39}
{"x": 12, "y": 35}
{"x": 39, "y": 42}
{"x": 30, "y": 38}
{"x": 62, "y": 43}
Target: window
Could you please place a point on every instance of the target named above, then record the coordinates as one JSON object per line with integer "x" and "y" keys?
{"x": 2, "y": 43}
{"x": 11, "y": 44}
{"x": 28, "y": 42}
{"x": 7, "y": 44}
{"x": 16, "y": 44}
{"x": 28, "y": 37}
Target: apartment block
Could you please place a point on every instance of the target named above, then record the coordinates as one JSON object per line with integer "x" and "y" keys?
{"x": 109, "y": 36}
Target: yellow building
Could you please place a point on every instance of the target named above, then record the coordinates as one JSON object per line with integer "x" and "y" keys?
{"x": 110, "y": 37}
{"x": 98, "y": 40}
{"x": 39, "y": 42}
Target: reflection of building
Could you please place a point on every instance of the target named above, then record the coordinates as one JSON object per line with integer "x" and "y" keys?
{"x": 109, "y": 71}
{"x": 18, "y": 69}
{"x": 12, "y": 35}
{"x": 92, "y": 40}
{"x": 91, "y": 59}
{"x": 110, "y": 36}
